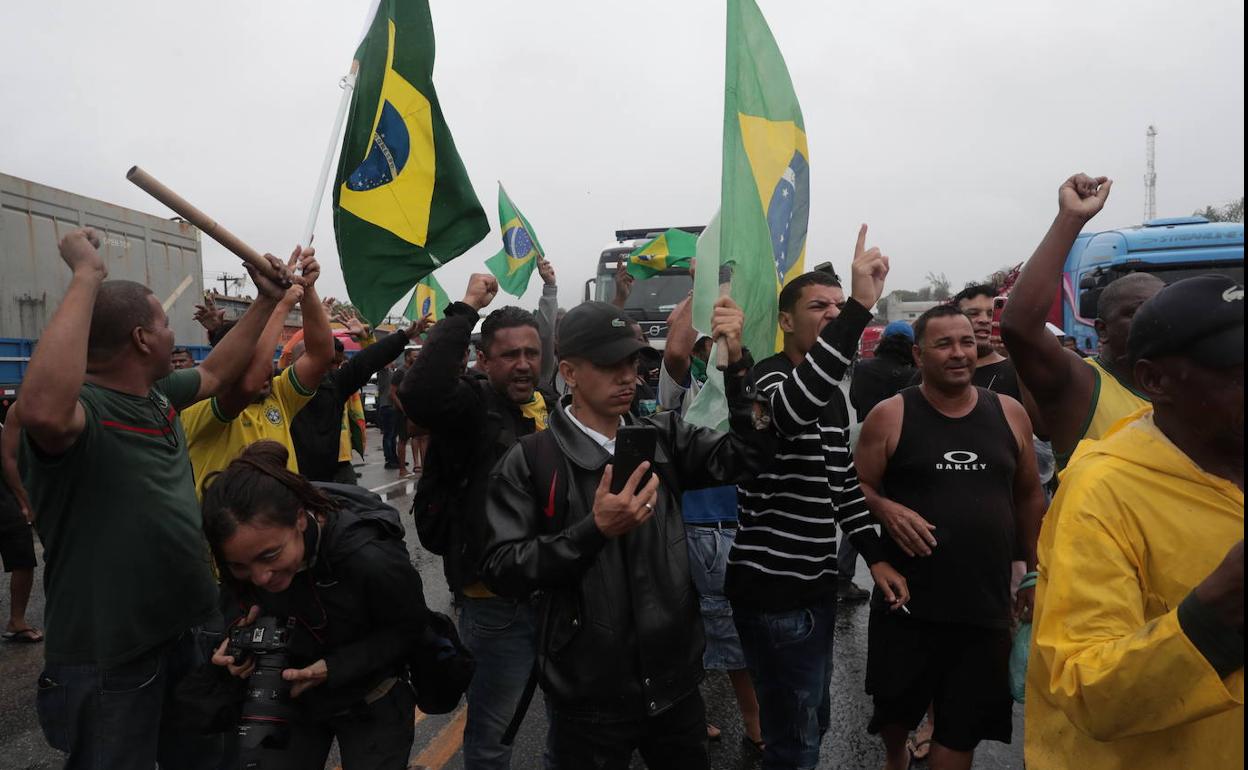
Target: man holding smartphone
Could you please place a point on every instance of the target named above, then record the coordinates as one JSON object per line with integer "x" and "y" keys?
{"x": 621, "y": 656}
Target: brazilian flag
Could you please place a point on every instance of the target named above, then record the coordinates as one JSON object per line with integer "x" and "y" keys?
{"x": 428, "y": 299}
{"x": 673, "y": 248}
{"x": 403, "y": 204}
{"x": 765, "y": 195}
{"x": 513, "y": 266}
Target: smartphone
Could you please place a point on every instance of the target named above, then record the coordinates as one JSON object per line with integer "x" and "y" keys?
{"x": 634, "y": 445}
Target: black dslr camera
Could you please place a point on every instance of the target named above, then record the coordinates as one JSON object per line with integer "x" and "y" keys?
{"x": 267, "y": 710}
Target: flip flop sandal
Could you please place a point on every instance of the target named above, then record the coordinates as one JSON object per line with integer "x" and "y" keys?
{"x": 24, "y": 636}
{"x": 915, "y": 747}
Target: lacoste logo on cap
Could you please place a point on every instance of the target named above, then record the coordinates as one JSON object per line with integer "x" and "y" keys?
{"x": 618, "y": 322}
{"x": 1233, "y": 294}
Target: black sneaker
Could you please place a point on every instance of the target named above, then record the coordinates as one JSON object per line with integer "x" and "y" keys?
{"x": 392, "y": 466}
{"x": 848, "y": 591}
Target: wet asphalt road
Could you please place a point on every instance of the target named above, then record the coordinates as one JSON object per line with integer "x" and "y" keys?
{"x": 438, "y": 737}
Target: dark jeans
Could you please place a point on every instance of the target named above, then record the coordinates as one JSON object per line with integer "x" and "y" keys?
{"x": 373, "y": 737}
{"x": 502, "y": 636}
{"x": 673, "y": 740}
{"x": 790, "y": 660}
{"x": 114, "y": 718}
{"x": 389, "y": 434}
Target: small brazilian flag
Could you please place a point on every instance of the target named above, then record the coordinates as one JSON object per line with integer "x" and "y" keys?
{"x": 428, "y": 299}
{"x": 403, "y": 204}
{"x": 513, "y": 266}
{"x": 674, "y": 248}
{"x": 765, "y": 197}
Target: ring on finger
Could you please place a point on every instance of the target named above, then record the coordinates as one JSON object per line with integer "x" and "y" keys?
{"x": 649, "y": 507}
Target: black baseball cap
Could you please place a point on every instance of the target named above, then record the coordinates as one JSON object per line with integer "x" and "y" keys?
{"x": 599, "y": 333}
{"x": 1200, "y": 318}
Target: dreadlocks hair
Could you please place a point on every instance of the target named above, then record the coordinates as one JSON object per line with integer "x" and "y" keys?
{"x": 257, "y": 488}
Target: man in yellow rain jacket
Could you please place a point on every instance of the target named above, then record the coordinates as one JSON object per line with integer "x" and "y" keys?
{"x": 1137, "y": 654}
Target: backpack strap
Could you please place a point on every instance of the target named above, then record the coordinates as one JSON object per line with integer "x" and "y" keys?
{"x": 549, "y": 473}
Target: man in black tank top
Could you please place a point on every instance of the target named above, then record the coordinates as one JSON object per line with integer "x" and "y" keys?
{"x": 950, "y": 470}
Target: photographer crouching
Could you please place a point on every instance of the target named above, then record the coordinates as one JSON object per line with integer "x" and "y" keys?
{"x": 323, "y": 609}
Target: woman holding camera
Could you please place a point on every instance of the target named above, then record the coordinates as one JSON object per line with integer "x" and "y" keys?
{"x": 322, "y": 603}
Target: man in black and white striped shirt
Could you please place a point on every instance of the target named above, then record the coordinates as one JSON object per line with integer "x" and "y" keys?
{"x": 782, "y": 569}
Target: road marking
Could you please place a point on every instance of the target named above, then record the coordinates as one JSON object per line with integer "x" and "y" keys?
{"x": 391, "y": 489}
{"x": 444, "y": 745}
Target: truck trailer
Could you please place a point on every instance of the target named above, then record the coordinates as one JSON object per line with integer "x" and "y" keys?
{"x": 163, "y": 254}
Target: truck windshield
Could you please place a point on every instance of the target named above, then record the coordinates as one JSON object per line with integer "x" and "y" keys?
{"x": 1172, "y": 274}
{"x": 654, "y": 296}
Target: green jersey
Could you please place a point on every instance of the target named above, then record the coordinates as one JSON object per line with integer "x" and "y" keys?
{"x": 125, "y": 563}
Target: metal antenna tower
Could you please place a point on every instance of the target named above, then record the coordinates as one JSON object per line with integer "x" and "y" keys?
{"x": 1150, "y": 175}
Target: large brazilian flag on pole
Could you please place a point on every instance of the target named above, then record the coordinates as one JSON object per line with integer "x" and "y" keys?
{"x": 757, "y": 241}
{"x": 765, "y": 192}
{"x": 403, "y": 204}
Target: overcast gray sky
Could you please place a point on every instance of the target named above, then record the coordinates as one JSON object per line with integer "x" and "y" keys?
{"x": 945, "y": 126}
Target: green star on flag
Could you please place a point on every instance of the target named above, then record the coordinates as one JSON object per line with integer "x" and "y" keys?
{"x": 513, "y": 266}
{"x": 672, "y": 248}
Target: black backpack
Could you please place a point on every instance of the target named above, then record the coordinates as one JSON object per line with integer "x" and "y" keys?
{"x": 438, "y": 494}
{"x": 441, "y": 667}
{"x": 443, "y": 486}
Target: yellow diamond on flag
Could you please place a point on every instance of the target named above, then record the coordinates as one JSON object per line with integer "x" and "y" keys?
{"x": 393, "y": 187}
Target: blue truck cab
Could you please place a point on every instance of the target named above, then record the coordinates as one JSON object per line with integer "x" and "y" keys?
{"x": 1171, "y": 249}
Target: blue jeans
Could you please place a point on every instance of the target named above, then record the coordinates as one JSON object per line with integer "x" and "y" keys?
{"x": 389, "y": 433}
{"x": 114, "y": 718}
{"x": 790, "y": 660}
{"x": 708, "y": 549}
{"x": 502, "y": 636}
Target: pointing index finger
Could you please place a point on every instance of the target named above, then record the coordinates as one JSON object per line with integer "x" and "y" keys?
{"x": 862, "y": 241}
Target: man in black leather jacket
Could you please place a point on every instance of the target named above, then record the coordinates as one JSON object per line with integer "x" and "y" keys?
{"x": 620, "y": 654}
{"x": 474, "y": 418}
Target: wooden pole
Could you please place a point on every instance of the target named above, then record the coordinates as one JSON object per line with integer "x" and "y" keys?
{"x": 725, "y": 290}
{"x": 207, "y": 224}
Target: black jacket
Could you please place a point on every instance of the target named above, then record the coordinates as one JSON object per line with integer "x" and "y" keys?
{"x": 621, "y": 634}
{"x": 471, "y": 426}
{"x": 316, "y": 427}
{"x": 882, "y": 377}
{"x": 360, "y": 605}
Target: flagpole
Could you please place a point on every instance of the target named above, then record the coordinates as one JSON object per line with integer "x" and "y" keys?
{"x": 347, "y": 84}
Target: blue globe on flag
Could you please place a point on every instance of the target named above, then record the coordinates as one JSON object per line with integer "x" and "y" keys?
{"x": 517, "y": 243}
{"x": 787, "y": 214}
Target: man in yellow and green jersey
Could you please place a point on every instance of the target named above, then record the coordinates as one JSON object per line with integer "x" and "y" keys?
{"x": 1076, "y": 397}
{"x": 261, "y": 406}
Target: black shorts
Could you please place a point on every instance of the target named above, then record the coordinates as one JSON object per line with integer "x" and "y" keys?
{"x": 17, "y": 541}
{"x": 400, "y": 426}
{"x": 962, "y": 670}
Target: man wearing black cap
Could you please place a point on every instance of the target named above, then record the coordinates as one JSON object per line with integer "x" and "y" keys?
{"x": 622, "y": 638}
{"x": 1138, "y": 648}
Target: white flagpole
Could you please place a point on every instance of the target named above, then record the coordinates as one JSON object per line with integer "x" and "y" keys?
{"x": 347, "y": 84}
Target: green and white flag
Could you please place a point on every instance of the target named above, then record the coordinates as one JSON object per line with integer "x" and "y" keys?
{"x": 759, "y": 241}
{"x": 403, "y": 204}
{"x": 513, "y": 266}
